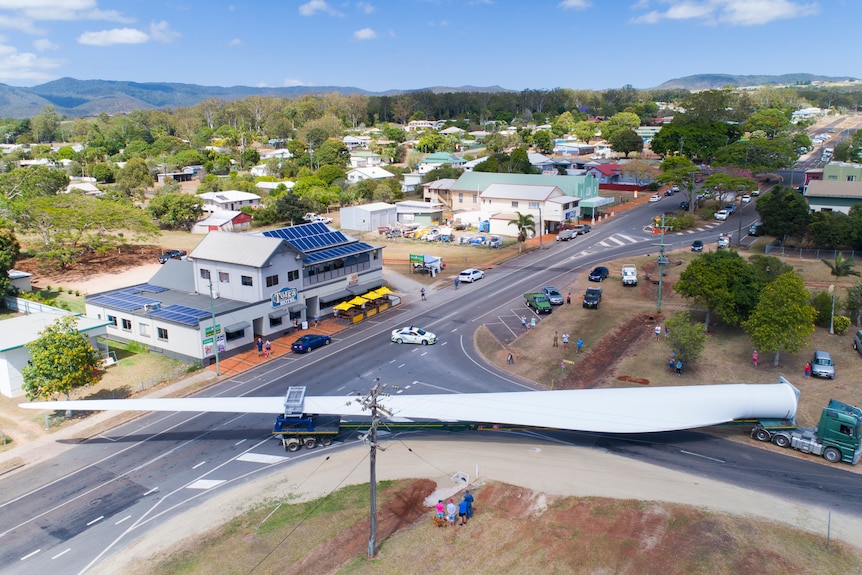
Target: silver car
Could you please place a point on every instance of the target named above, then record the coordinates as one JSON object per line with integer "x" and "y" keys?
{"x": 553, "y": 294}
{"x": 822, "y": 366}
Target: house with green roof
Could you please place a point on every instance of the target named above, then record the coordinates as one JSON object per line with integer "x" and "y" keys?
{"x": 438, "y": 159}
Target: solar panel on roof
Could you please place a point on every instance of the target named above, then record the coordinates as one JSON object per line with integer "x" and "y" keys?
{"x": 151, "y": 288}
{"x": 181, "y": 314}
{"x": 337, "y": 252}
{"x": 122, "y": 300}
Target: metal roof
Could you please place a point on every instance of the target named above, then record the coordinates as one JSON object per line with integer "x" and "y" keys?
{"x": 243, "y": 249}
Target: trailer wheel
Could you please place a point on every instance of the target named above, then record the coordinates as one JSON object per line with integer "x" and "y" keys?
{"x": 832, "y": 455}
{"x": 781, "y": 440}
{"x": 292, "y": 444}
{"x": 761, "y": 434}
{"x": 310, "y": 442}
{"x": 326, "y": 441}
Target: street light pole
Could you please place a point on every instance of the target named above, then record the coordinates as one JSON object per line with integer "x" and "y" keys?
{"x": 215, "y": 335}
{"x": 541, "y": 228}
{"x": 832, "y": 315}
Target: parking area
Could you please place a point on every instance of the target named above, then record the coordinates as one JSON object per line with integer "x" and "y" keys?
{"x": 508, "y": 326}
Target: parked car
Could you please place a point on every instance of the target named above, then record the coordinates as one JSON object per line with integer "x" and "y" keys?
{"x": 684, "y": 206}
{"x": 465, "y": 239}
{"x": 593, "y": 297}
{"x": 746, "y": 198}
{"x": 857, "y": 341}
{"x": 413, "y": 334}
{"x": 566, "y": 235}
{"x": 171, "y": 255}
{"x": 720, "y": 215}
{"x": 538, "y": 301}
{"x": 310, "y": 341}
{"x": 598, "y": 274}
{"x": 585, "y": 229}
{"x": 822, "y": 366}
{"x": 654, "y": 198}
{"x": 755, "y": 229}
{"x": 730, "y": 209}
{"x": 697, "y": 246}
{"x": 674, "y": 189}
{"x": 553, "y": 294}
{"x": 495, "y": 242}
{"x": 322, "y": 220}
{"x": 471, "y": 275}
{"x": 668, "y": 192}
{"x": 755, "y": 193}
{"x": 477, "y": 241}
{"x": 432, "y": 236}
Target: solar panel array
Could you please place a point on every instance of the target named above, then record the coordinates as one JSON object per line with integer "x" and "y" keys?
{"x": 309, "y": 237}
{"x": 181, "y": 314}
{"x": 123, "y": 300}
{"x": 149, "y": 288}
{"x": 338, "y": 252}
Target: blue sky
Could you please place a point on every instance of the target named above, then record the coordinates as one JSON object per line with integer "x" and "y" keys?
{"x": 379, "y": 45}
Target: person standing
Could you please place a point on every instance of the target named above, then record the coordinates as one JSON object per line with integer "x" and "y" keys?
{"x": 754, "y": 358}
{"x": 569, "y": 299}
{"x": 556, "y": 340}
{"x": 566, "y": 340}
{"x": 462, "y": 512}
{"x": 468, "y": 497}
{"x": 267, "y": 349}
{"x": 807, "y": 370}
{"x": 524, "y": 322}
{"x": 259, "y": 347}
{"x": 532, "y": 322}
{"x": 451, "y": 510}
{"x": 422, "y": 293}
{"x": 657, "y": 331}
{"x": 679, "y": 366}
{"x": 580, "y": 344}
{"x": 441, "y": 509}
{"x": 457, "y": 283}
{"x": 509, "y": 359}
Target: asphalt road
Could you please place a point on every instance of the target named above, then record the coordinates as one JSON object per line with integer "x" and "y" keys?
{"x": 107, "y": 492}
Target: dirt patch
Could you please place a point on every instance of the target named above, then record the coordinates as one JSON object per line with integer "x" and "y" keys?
{"x": 89, "y": 265}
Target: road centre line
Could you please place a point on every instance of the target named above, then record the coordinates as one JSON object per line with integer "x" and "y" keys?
{"x": 61, "y": 553}
{"x": 702, "y": 456}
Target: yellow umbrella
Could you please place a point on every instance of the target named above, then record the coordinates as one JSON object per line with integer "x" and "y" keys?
{"x": 358, "y": 301}
{"x": 371, "y": 295}
{"x": 383, "y": 290}
{"x": 343, "y": 306}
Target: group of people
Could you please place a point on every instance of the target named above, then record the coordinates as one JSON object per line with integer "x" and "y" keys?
{"x": 565, "y": 336}
{"x": 463, "y": 510}
{"x": 263, "y": 348}
{"x": 675, "y": 363}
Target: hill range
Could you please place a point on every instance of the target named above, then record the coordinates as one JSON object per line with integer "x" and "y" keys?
{"x": 86, "y": 98}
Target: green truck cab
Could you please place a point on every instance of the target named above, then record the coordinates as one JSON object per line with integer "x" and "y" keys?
{"x": 538, "y": 302}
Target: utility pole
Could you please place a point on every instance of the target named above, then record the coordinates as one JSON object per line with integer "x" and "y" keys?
{"x": 371, "y": 402}
{"x": 662, "y": 261}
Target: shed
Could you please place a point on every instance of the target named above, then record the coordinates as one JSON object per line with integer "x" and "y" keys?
{"x": 368, "y": 217}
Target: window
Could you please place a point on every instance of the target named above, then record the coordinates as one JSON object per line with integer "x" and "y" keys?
{"x": 832, "y": 178}
{"x": 224, "y": 277}
{"x": 533, "y": 205}
{"x": 514, "y": 203}
{"x": 246, "y": 280}
{"x": 275, "y": 321}
{"x": 144, "y": 329}
{"x": 293, "y": 275}
{"x": 205, "y": 274}
{"x": 127, "y": 325}
{"x": 851, "y": 178}
{"x": 460, "y": 197}
{"x": 476, "y": 199}
{"x": 112, "y": 319}
{"x": 272, "y": 280}
{"x": 162, "y": 334}
{"x": 232, "y": 335}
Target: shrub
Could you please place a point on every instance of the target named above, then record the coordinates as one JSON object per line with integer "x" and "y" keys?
{"x": 840, "y": 324}
{"x": 822, "y": 302}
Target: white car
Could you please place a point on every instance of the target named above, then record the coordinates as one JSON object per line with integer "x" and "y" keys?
{"x": 465, "y": 239}
{"x": 321, "y": 220}
{"x": 413, "y": 334}
{"x": 471, "y": 275}
{"x": 721, "y": 215}
{"x": 432, "y": 236}
{"x": 654, "y": 198}
{"x": 746, "y": 198}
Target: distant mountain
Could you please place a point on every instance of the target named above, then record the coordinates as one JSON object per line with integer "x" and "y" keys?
{"x": 714, "y": 81}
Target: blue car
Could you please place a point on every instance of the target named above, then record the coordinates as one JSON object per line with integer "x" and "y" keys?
{"x": 310, "y": 341}
{"x": 477, "y": 241}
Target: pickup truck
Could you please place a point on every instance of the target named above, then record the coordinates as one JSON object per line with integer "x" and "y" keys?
{"x": 538, "y": 302}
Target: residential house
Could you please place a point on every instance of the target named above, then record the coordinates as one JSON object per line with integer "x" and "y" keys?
{"x": 269, "y": 186}
{"x": 354, "y": 142}
{"x": 833, "y": 195}
{"x": 365, "y": 159}
{"x": 409, "y": 182}
{"x": 223, "y": 221}
{"x": 415, "y": 125}
{"x": 453, "y": 131}
{"x": 375, "y": 173}
{"x": 605, "y": 173}
{"x": 549, "y": 206}
{"x": 279, "y": 154}
{"x": 423, "y": 213}
{"x": 228, "y": 200}
{"x": 86, "y": 188}
{"x": 439, "y": 159}
{"x": 440, "y": 191}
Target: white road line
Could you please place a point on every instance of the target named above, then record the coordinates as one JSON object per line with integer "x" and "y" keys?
{"x": 205, "y": 483}
{"x": 260, "y": 458}
{"x": 126, "y": 518}
{"x": 424, "y": 354}
{"x": 402, "y": 365}
{"x": 199, "y": 464}
{"x": 240, "y": 442}
{"x": 627, "y": 238}
{"x": 702, "y": 456}
{"x": 28, "y": 555}
{"x": 444, "y": 343}
{"x": 96, "y": 520}
{"x": 61, "y": 553}
{"x": 153, "y": 490}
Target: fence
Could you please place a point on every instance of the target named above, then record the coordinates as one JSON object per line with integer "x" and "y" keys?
{"x": 29, "y": 306}
{"x": 808, "y": 253}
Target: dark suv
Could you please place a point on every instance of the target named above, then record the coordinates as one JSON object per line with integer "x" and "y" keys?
{"x": 171, "y": 255}
{"x": 593, "y": 297}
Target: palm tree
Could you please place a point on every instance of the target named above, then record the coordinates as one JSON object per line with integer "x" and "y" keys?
{"x": 525, "y": 223}
{"x": 841, "y": 268}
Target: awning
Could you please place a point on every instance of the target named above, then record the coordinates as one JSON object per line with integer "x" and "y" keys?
{"x": 237, "y": 327}
{"x": 296, "y": 308}
{"x": 279, "y": 312}
{"x": 360, "y": 289}
{"x": 335, "y": 296}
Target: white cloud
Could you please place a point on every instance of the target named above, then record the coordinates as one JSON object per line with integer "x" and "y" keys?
{"x": 18, "y": 66}
{"x": 574, "y": 4}
{"x": 235, "y": 42}
{"x": 20, "y": 24}
{"x": 312, "y": 7}
{"x": 43, "y": 44}
{"x": 733, "y": 12}
{"x": 115, "y": 36}
{"x": 161, "y": 32}
{"x": 365, "y": 7}
{"x": 293, "y": 82}
{"x": 365, "y": 34}
{"x": 62, "y": 10}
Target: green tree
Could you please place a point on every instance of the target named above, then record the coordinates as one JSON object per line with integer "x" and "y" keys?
{"x": 771, "y": 121}
{"x": 563, "y": 124}
{"x": 494, "y": 143}
{"x": 61, "y": 359}
{"x": 768, "y": 268}
{"x": 784, "y": 213}
{"x": 853, "y": 303}
{"x": 543, "y": 142}
{"x": 10, "y": 249}
{"x": 618, "y": 122}
{"x": 626, "y": 141}
{"x": 686, "y": 339}
{"x": 830, "y": 229}
{"x": 585, "y": 130}
{"x": 332, "y": 152}
{"x": 842, "y": 267}
{"x": 330, "y": 174}
{"x": 31, "y": 182}
{"x": 525, "y": 225}
{"x": 176, "y": 210}
{"x": 102, "y": 172}
{"x": 782, "y": 318}
{"x": 723, "y": 283}
{"x": 249, "y": 157}
{"x": 45, "y": 125}
{"x": 135, "y": 178}
{"x": 757, "y": 155}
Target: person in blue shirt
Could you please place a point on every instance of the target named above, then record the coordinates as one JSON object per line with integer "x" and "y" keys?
{"x": 462, "y": 512}
{"x": 468, "y": 497}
